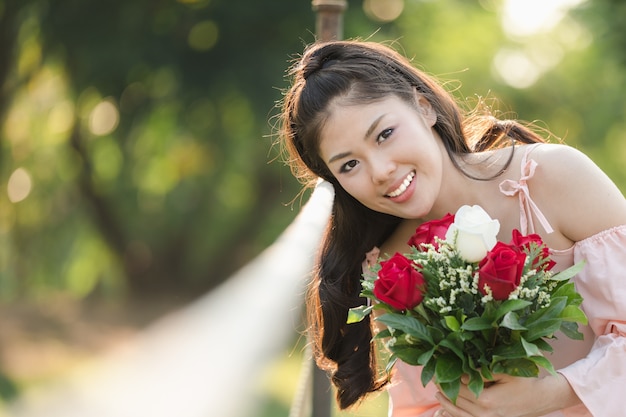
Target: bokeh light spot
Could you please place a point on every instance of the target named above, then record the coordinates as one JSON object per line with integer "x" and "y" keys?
{"x": 104, "y": 118}
{"x": 383, "y": 10}
{"x": 203, "y": 35}
{"x": 60, "y": 121}
{"x": 522, "y": 18}
{"x": 516, "y": 68}
{"x": 19, "y": 185}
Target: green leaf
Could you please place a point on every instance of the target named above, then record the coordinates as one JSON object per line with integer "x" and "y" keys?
{"x": 451, "y": 389}
{"x": 428, "y": 371}
{"x": 477, "y": 323}
{"x": 357, "y": 314}
{"x": 449, "y": 368}
{"x": 510, "y": 305}
{"x": 466, "y": 302}
{"x": 486, "y": 373}
{"x": 422, "y": 312}
{"x": 425, "y": 357}
{"x": 511, "y": 321}
{"x": 557, "y": 304}
{"x": 408, "y": 325}
{"x": 437, "y": 334}
{"x": 479, "y": 343}
{"x": 503, "y": 352}
{"x": 453, "y": 345}
{"x": 407, "y": 354}
{"x": 543, "y": 328}
{"x": 392, "y": 361}
{"x": 543, "y": 345}
{"x": 452, "y": 323}
{"x": 568, "y": 290}
{"x": 574, "y": 313}
{"x": 544, "y": 363}
{"x": 530, "y": 348}
{"x": 517, "y": 367}
{"x": 570, "y": 329}
{"x": 569, "y": 272}
{"x": 476, "y": 383}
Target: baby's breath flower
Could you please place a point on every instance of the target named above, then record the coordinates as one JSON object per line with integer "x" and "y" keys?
{"x": 441, "y": 302}
{"x": 488, "y": 296}
{"x": 466, "y": 280}
{"x": 529, "y": 293}
{"x": 543, "y": 298}
{"x": 453, "y": 294}
{"x": 367, "y": 285}
{"x": 475, "y": 283}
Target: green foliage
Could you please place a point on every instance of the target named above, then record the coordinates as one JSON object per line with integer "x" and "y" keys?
{"x": 459, "y": 330}
{"x": 141, "y": 131}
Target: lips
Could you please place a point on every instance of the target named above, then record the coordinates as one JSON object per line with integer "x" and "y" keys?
{"x": 402, "y": 187}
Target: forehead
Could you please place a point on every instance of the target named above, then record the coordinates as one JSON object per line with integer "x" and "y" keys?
{"x": 348, "y": 121}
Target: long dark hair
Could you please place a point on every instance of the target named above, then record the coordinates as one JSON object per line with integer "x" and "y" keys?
{"x": 362, "y": 72}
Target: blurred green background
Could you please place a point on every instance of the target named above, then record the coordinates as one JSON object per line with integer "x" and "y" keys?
{"x": 137, "y": 166}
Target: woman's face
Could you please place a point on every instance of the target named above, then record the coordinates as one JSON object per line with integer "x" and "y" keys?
{"x": 385, "y": 154}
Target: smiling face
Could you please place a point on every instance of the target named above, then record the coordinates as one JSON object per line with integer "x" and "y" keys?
{"x": 385, "y": 154}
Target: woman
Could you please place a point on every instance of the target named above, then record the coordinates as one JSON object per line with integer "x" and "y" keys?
{"x": 399, "y": 151}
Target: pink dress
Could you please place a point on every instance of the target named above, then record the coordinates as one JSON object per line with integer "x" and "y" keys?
{"x": 594, "y": 367}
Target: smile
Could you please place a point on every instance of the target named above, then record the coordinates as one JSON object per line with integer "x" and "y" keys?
{"x": 402, "y": 188}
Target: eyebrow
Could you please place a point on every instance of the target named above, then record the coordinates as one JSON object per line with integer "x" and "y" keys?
{"x": 367, "y": 134}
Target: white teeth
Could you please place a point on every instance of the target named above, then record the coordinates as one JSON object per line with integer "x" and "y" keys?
{"x": 402, "y": 188}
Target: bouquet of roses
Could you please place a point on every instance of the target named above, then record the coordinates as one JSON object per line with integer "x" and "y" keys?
{"x": 462, "y": 302}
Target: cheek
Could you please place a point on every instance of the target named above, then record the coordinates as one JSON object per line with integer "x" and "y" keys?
{"x": 353, "y": 186}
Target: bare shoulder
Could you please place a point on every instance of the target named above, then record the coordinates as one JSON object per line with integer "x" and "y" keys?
{"x": 560, "y": 158}
{"x": 562, "y": 167}
{"x": 578, "y": 196}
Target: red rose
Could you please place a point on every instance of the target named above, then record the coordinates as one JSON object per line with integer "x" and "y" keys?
{"x": 427, "y": 231}
{"x": 399, "y": 284}
{"x": 524, "y": 243}
{"x": 501, "y": 270}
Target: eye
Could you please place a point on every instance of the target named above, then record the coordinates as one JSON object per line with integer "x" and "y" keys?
{"x": 384, "y": 135}
{"x": 348, "y": 166}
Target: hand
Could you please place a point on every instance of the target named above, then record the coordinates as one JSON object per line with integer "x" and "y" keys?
{"x": 511, "y": 397}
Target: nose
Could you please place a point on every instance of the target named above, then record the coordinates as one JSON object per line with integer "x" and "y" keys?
{"x": 382, "y": 170}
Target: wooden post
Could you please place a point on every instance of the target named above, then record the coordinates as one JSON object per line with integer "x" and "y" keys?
{"x": 329, "y": 24}
{"x": 328, "y": 27}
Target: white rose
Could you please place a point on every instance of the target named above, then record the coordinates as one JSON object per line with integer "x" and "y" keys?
{"x": 473, "y": 233}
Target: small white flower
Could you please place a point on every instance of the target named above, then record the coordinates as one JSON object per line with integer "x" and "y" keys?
{"x": 489, "y": 295}
{"x": 473, "y": 233}
{"x": 543, "y": 298}
{"x": 391, "y": 342}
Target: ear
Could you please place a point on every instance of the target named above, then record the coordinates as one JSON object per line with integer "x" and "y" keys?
{"x": 427, "y": 110}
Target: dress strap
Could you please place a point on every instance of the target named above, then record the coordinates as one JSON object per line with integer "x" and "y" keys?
{"x": 526, "y": 203}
